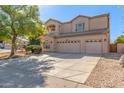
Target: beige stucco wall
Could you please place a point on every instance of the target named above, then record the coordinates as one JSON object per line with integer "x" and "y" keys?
{"x": 120, "y": 48}
{"x": 50, "y": 39}
{"x": 84, "y": 37}
{"x": 98, "y": 22}
{"x": 66, "y": 27}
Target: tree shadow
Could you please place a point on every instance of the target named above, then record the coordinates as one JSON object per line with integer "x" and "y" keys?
{"x": 25, "y": 72}
{"x": 30, "y": 72}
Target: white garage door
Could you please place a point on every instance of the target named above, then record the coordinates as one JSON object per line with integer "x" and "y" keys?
{"x": 68, "y": 46}
{"x": 94, "y": 46}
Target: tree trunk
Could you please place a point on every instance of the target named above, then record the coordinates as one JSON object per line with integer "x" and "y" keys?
{"x": 13, "y": 45}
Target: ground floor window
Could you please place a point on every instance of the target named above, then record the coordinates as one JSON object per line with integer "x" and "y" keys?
{"x": 46, "y": 45}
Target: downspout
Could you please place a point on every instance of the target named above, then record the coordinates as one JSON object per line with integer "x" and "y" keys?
{"x": 102, "y": 44}
{"x": 108, "y": 34}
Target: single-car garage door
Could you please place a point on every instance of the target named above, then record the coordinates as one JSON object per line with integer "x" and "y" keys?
{"x": 68, "y": 46}
{"x": 94, "y": 46}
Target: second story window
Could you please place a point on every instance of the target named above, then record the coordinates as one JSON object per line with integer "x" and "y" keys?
{"x": 51, "y": 28}
{"x": 80, "y": 27}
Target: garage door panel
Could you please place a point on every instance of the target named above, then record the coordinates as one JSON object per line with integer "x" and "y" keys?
{"x": 69, "y": 47}
{"x": 94, "y": 47}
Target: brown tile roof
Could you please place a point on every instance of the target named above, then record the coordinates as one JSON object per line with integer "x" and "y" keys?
{"x": 77, "y": 17}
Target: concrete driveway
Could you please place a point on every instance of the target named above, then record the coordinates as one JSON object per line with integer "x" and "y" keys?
{"x": 47, "y": 70}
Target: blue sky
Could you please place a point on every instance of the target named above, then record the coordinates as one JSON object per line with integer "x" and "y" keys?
{"x": 67, "y": 12}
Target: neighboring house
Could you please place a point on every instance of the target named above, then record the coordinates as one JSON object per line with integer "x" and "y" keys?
{"x": 1, "y": 44}
{"x": 83, "y": 34}
{"x": 21, "y": 42}
{"x": 5, "y": 44}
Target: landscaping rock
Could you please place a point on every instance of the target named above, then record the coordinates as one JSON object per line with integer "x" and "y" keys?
{"x": 122, "y": 60}
{"x": 107, "y": 74}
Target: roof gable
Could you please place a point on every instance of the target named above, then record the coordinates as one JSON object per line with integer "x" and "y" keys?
{"x": 76, "y": 18}
{"x": 52, "y": 20}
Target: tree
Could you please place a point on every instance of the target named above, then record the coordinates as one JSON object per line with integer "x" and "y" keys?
{"x": 119, "y": 39}
{"x": 19, "y": 20}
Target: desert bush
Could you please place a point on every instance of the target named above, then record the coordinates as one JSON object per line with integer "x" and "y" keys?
{"x": 36, "y": 49}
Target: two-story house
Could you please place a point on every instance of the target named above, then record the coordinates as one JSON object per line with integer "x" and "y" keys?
{"x": 83, "y": 34}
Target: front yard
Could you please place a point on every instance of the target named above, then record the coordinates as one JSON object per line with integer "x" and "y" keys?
{"x": 47, "y": 70}
{"x": 62, "y": 70}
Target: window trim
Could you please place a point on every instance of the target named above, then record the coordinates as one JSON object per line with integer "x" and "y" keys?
{"x": 81, "y": 29}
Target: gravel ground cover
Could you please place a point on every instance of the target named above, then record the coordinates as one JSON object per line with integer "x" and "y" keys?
{"x": 107, "y": 74}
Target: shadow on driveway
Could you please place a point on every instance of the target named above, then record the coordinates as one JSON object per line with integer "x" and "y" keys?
{"x": 23, "y": 72}
{"x": 28, "y": 72}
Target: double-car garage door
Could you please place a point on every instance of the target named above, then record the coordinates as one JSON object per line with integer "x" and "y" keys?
{"x": 69, "y": 46}
{"x": 76, "y": 46}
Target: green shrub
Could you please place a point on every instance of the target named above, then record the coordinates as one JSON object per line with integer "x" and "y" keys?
{"x": 34, "y": 48}
{"x": 1, "y": 47}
